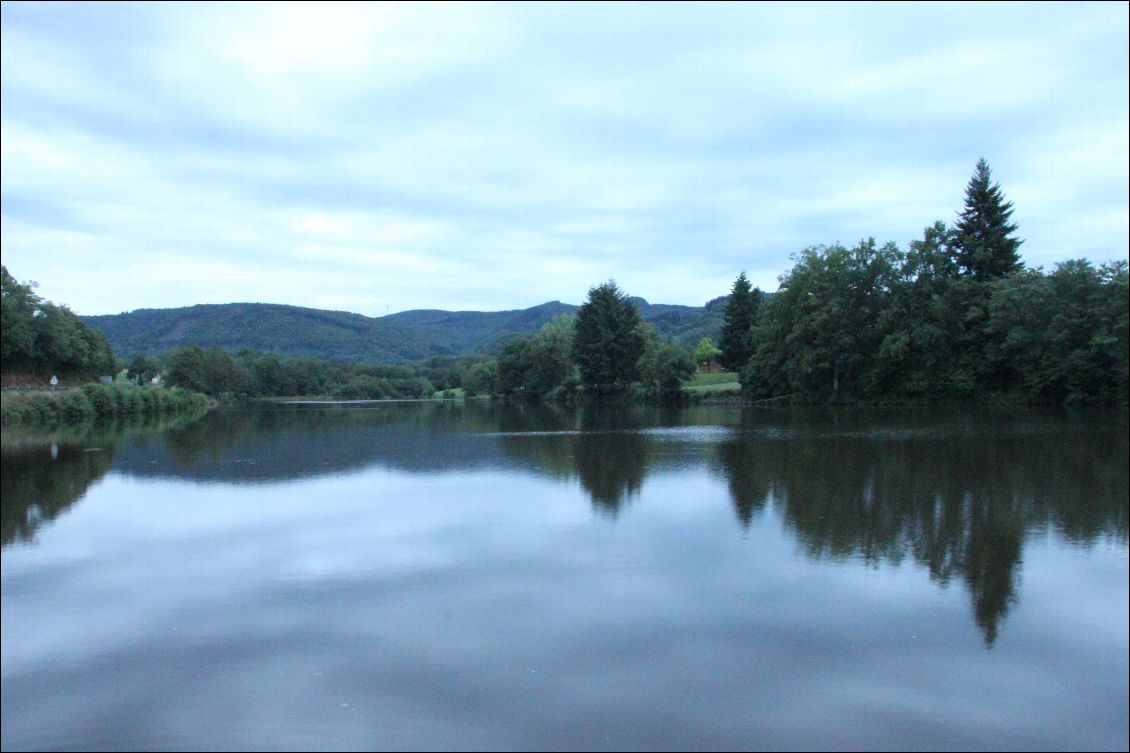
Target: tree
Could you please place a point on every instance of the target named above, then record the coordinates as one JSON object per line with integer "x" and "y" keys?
{"x": 821, "y": 330}
{"x": 186, "y": 368}
{"x": 38, "y": 335}
{"x": 608, "y": 339}
{"x": 922, "y": 351}
{"x": 706, "y": 351}
{"x": 18, "y": 305}
{"x": 982, "y": 243}
{"x": 665, "y": 368}
{"x": 481, "y": 379}
{"x": 534, "y": 366}
{"x": 740, "y": 316}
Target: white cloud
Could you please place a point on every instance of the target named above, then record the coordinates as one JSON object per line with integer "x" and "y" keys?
{"x": 496, "y": 156}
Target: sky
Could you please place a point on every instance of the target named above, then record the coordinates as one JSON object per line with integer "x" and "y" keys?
{"x": 377, "y": 158}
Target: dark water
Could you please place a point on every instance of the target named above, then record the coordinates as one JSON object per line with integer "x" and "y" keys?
{"x": 437, "y": 577}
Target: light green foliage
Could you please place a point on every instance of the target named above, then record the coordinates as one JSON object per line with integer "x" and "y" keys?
{"x": 706, "y": 351}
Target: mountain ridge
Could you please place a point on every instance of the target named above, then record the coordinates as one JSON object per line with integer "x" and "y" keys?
{"x": 403, "y": 337}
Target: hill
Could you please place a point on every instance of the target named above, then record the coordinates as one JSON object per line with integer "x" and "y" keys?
{"x": 406, "y": 337}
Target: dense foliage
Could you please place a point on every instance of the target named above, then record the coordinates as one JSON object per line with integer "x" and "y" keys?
{"x": 39, "y": 336}
{"x": 98, "y": 402}
{"x": 982, "y": 242}
{"x": 739, "y": 317}
{"x": 250, "y": 374}
{"x": 608, "y": 339}
{"x": 605, "y": 349}
{"x": 953, "y": 317}
{"x": 706, "y": 352}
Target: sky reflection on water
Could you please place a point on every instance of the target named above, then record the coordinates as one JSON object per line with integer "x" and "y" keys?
{"x": 436, "y": 577}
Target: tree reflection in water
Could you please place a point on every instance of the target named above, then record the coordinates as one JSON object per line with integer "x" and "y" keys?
{"x": 957, "y": 496}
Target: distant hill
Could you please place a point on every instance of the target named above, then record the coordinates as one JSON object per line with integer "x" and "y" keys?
{"x": 406, "y": 337}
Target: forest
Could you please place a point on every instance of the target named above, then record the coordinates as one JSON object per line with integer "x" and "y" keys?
{"x": 955, "y": 316}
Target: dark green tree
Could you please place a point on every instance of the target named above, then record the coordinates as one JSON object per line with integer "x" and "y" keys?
{"x": 41, "y": 336}
{"x": 665, "y": 368}
{"x": 481, "y": 378}
{"x": 532, "y": 367}
{"x": 608, "y": 339}
{"x": 186, "y": 368}
{"x": 983, "y": 244}
{"x": 740, "y": 316}
{"x": 822, "y": 328}
{"x": 921, "y": 352}
{"x": 18, "y": 304}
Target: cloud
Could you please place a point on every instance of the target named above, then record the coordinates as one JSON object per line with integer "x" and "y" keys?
{"x": 495, "y": 156}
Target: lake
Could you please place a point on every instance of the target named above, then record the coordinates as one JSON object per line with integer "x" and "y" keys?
{"x": 445, "y": 576}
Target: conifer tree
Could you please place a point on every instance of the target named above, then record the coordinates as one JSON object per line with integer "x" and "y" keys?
{"x": 740, "y": 314}
{"x": 608, "y": 339}
{"x": 982, "y": 243}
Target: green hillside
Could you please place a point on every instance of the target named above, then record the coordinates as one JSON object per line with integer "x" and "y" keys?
{"x": 405, "y": 337}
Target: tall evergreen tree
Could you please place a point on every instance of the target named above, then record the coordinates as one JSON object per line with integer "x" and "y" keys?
{"x": 983, "y": 245}
{"x": 608, "y": 339}
{"x": 739, "y": 316}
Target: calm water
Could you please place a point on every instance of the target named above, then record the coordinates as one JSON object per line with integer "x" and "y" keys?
{"x": 428, "y": 576}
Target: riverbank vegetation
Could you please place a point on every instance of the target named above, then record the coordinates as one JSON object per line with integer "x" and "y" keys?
{"x": 95, "y": 402}
{"x": 39, "y": 338}
{"x": 954, "y": 317}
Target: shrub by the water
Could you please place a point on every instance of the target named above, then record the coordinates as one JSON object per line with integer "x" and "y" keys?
{"x": 97, "y": 402}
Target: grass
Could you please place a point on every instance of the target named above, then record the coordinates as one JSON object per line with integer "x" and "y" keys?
{"x": 714, "y": 383}
{"x": 715, "y": 377}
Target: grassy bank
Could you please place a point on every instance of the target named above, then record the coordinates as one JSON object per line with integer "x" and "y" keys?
{"x": 96, "y": 402}
{"x": 715, "y": 383}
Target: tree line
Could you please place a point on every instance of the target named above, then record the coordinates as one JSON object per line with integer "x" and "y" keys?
{"x": 954, "y": 316}
{"x": 605, "y": 350}
{"x": 39, "y": 336}
{"x": 253, "y": 374}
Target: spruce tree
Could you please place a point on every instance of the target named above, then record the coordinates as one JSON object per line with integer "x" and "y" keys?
{"x": 608, "y": 339}
{"x": 982, "y": 244}
{"x": 739, "y": 316}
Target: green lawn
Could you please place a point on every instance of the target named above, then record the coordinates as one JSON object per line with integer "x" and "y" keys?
{"x": 719, "y": 381}
{"x": 717, "y": 377}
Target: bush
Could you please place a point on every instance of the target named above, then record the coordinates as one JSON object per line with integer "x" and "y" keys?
{"x": 74, "y": 407}
{"x": 97, "y": 402}
{"x": 101, "y": 399}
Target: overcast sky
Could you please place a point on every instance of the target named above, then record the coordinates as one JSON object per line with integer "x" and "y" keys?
{"x": 375, "y": 158}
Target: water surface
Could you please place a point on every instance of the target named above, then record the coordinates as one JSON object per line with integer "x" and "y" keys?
{"x": 434, "y": 576}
